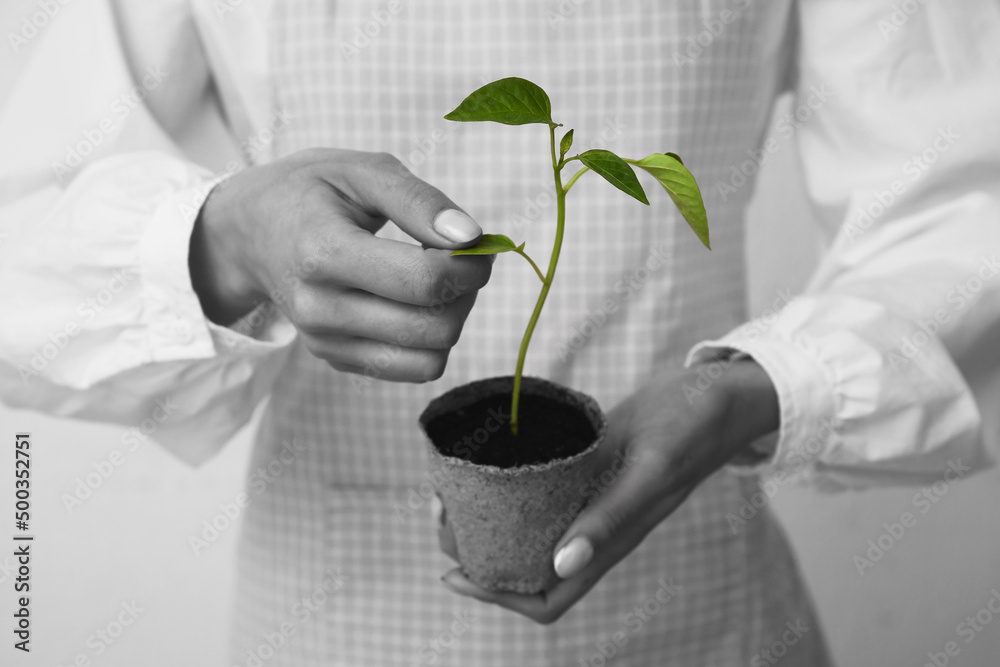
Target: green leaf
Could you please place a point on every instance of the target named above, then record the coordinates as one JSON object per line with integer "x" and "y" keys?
{"x": 510, "y": 101}
{"x": 682, "y": 188}
{"x": 565, "y": 144}
{"x": 615, "y": 171}
{"x": 490, "y": 244}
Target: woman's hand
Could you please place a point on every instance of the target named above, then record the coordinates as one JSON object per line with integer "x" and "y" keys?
{"x": 301, "y": 232}
{"x": 674, "y": 444}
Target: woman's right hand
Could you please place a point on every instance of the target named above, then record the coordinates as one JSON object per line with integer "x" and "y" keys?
{"x": 301, "y": 232}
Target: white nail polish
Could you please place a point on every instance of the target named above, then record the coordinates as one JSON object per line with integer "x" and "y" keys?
{"x": 456, "y": 226}
{"x": 437, "y": 509}
{"x": 573, "y": 557}
{"x": 457, "y": 583}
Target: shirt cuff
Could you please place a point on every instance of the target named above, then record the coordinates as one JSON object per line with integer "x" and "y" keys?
{"x": 175, "y": 324}
{"x": 806, "y": 402}
{"x": 172, "y": 313}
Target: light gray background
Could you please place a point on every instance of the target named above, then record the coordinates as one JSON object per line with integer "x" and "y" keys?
{"x": 129, "y": 541}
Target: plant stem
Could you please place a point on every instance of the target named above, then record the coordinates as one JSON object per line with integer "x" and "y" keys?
{"x": 546, "y": 283}
{"x": 533, "y": 265}
{"x": 575, "y": 176}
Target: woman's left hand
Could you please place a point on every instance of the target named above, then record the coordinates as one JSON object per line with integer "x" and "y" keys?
{"x": 673, "y": 443}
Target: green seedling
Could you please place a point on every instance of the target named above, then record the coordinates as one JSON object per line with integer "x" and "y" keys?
{"x": 515, "y": 101}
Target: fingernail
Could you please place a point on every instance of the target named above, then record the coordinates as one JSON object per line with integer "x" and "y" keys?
{"x": 573, "y": 557}
{"x": 456, "y": 226}
{"x": 437, "y": 509}
{"x": 455, "y": 582}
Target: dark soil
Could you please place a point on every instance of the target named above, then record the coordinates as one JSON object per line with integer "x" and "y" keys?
{"x": 480, "y": 432}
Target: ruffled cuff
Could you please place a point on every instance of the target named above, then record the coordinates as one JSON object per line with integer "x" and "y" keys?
{"x": 805, "y": 400}
{"x": 859, "y": 402}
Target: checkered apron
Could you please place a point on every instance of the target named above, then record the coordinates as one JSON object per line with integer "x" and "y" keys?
{"x": 339, "y": 563}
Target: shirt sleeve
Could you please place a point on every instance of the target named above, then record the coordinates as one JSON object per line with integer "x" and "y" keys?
{"x": 886, "y": 367}
{"x": 97, "y": 204}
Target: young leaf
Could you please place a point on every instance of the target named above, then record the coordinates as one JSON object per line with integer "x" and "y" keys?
{"x": 565, "y": 144}
{"x": 490, "y": 244}
{"x": 510, "y": 101}
{"x": 682, "y": 188}
{"x": 615, "y": 171}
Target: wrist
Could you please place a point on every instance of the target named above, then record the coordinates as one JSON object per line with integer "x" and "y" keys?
{"x": 750, "y": 405}
{"x": 223, "y": 287}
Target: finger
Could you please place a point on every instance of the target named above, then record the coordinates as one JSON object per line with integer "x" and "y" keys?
{"x": 446, "y": 542}
{"x": 346, "y": 255}
{"x": 382, "y": 186}
{"x": 437, "y": 511}
{"x": 545, "y": 607}
{"x": 630, "y": 505}
{"x": 446, "y": 538}
{"x": 374, "y": 359}
{"x": 540, "y": 607}
{"x": 363, "y": 315}
{"x": 457, "y": 583}
{"x": 616, "y": 439}
{"x": 569, "y": 590}
{"x": 548, "y": 606}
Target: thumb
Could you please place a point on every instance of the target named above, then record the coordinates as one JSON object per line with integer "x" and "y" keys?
{"x": 386, "y": 188}
{"x": 618, "y": 520}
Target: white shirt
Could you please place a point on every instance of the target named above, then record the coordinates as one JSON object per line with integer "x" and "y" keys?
{"x": 851, "y": 350}
{"x": 897, "y": 119}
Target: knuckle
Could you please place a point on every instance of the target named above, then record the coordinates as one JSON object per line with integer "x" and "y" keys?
{"x": 612, "y": 520}
{"x": 306, "y": 313}
{"x": 443, "y": 336}
{"x": 301, "y": 264}
{"x": 302, "y": 310}
{"x": 425, "y": 283}
{"x": 388, "y": 163}
{"x": 318, "y": 161}
{"x": 315, "y": 249}
{"x": 311, "y": 194}
{"x": 657, "y": 462}
{"x": 313, "y": 154}
{"x": 417, "y": 191}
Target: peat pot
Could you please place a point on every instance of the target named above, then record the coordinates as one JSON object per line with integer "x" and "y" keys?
{"x": 510, "y": 498}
